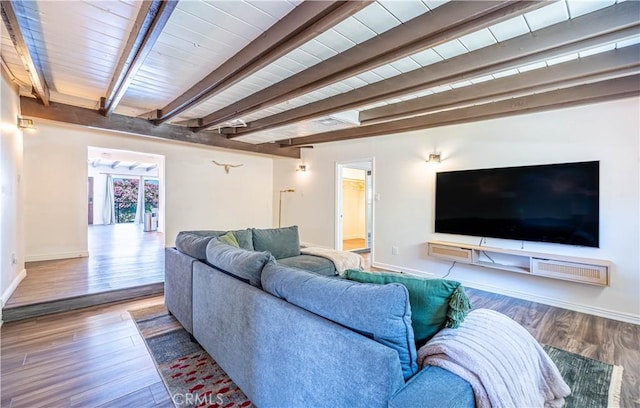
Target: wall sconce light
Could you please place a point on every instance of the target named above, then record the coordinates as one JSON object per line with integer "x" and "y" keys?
{"x": 302, "y": 167}
{"x": 433, "y": 158}
{"x": 290, "y": 190}
{"x": 24, "y": 123}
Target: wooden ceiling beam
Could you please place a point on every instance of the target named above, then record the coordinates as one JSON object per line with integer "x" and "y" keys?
{"x": 604, "y": 26}
{"x": 60, "y": 112}
{"x": 303, "y": 23}
{"x": 152, "y": 17}
{"x": 606, "y": 65}
{"x": 25, "y": 50}
{"x": 445, "y": 23}
{"x": 616, "y": 88}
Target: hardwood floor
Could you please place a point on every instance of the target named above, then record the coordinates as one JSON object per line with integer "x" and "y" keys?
{"x": 356, "y": 243}
{"x": 95, "y": 356}
{"x": 121, "y": 257}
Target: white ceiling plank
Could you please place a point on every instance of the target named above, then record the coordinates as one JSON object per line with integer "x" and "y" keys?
{"x": 478, "y": 39}
{"x": 318, "y": 50}
{"x": 404, "y": 10}
{"x": 426, "y": 57}
{"x": 334, "y": 40}
{"x": 510, "y": 29}
{"x": 405, "y": 65}
{"x": 450, "y": 49}
{"x": 377, "y": 18}
{"x": 548, "y": 15}
{"x": 354, "y": 30}
{"x": 581, "y": 7}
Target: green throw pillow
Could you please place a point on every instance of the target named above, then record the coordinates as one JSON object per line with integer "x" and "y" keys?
{"x": 435, "y": 303}
{"x": 229, "y": 239}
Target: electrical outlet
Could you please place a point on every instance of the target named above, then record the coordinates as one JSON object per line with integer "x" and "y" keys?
{"x": 394, "y": 250}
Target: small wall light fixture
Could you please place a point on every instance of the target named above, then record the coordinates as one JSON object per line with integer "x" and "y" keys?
{"x": 24, "y": 123}
{"x": 433, "y": 158}
{"x": 302, "y": 167}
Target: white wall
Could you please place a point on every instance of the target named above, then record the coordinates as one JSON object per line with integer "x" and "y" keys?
{"x": 198, "y": 194}
{"x": 11, "y": 214}
{"x": 403, "y": 216}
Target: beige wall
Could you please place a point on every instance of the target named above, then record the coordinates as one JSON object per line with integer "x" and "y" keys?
{"x": 198, "y": 194}
{"x": 404, "y": 207}
{"x": 11, "y": 192}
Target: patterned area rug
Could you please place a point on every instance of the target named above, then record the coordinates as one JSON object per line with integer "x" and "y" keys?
{"x": 191, "y": 376}
{"x": 194, "y": 379}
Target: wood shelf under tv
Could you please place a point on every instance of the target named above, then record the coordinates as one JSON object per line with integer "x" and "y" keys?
{"x": 571, "y": 268}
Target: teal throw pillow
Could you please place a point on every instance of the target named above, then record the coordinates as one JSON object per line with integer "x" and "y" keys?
{"x": 229, "y": 239}
{"x": 435, "y": 303}
{"x": 281, "y": 242}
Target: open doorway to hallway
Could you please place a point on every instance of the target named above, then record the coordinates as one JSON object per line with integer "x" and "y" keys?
{"x": 354, "y": 215}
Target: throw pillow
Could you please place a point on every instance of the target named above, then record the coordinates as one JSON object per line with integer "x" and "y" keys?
{"x": 244, "y": 238}
{"x": 238, "y": 262}
{"x": 435, "y": 303}
{"x": 281, "y": 242}
{"x": 380, "y": 312}
{"x": 229, "y": 239}
{"x": 194, "y": 243}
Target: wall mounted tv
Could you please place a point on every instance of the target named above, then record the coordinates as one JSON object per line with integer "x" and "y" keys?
{"x": 548, "y": 203}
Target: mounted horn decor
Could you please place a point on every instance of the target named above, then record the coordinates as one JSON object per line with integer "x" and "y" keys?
{"x": 226, "y": 166}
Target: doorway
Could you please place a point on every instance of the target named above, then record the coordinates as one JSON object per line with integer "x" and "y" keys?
{"x": 354, "y": 206}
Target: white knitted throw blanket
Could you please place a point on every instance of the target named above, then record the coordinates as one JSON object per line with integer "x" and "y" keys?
{"x": 342, "y": 260}
{"x": 504, "y": 364}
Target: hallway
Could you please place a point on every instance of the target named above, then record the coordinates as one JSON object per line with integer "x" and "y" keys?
{"x": 124, "y": 262}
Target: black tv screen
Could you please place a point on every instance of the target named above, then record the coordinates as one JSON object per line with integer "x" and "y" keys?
{"x": 548, "y": 203}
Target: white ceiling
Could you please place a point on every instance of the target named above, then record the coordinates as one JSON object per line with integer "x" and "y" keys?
{"x": 78, "y": 45}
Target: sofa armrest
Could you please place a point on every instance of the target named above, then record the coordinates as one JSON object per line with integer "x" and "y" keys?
{"x": 178, "y": 286}
{"x": 434, "y": 387}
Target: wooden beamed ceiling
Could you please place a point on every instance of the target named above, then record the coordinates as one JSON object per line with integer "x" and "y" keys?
{"x": 616, "y": 22}
{"x": 40, "y": 89}
{"x": 603, "y": 76}
{"x": 152, "y": 18}
{"x": 447, "y": 22}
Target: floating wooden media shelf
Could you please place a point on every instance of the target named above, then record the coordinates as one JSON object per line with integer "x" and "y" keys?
{"x": 584, "y": 270}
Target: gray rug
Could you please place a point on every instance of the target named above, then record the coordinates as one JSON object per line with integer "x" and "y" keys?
{"x": 593, "y": 384}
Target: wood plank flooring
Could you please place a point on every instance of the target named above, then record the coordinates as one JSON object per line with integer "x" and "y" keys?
{"x": 95, "y": 357}
{"x": 124, "y": 262}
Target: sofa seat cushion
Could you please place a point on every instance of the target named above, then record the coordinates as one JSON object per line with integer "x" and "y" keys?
{"x": 380, "y": 312}
{"x": 435, "y": 303}
{"x": 240, "y": 263}
{"x": 281, "y": 242}
{"x": 315, "y": 264}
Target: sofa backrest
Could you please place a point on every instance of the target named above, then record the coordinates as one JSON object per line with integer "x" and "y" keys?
{"x": 380, "y": 312}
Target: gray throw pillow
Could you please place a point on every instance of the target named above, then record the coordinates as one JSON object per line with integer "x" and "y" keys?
{"x": 238, "y": 262}
{"x": 194, "y": 243}
{"x": 244, "y": 238}
{"x": 281, "y": 242}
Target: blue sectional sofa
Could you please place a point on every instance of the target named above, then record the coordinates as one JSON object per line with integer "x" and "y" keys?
{"x": 294, "y": 338}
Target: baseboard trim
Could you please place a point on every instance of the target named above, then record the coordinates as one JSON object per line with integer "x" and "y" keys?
{"x": 401, "y": 269}
{"x": 60, "y": 255}
{"x": 576, "y": 307}
{"x": 14, "y": 284}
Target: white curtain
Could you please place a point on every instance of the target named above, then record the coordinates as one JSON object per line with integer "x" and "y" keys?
{"x": 140, "y": 204}
{"x": 108, "y": 212}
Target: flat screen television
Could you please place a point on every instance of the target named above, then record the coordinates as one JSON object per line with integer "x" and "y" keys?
{"x": 556, "y": 203}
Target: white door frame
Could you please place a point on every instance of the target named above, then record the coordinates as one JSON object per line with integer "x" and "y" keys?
{"x": 338, "y": 203}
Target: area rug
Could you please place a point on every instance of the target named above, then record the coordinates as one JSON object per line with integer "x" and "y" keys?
{"x": 194, "y": 379}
